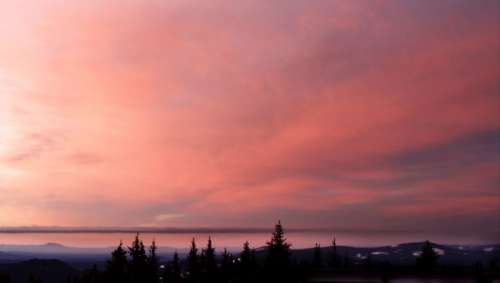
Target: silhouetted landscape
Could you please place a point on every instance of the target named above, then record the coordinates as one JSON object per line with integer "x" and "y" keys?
{"x": 249, "y": 141}
{"x": 277, "y": 261}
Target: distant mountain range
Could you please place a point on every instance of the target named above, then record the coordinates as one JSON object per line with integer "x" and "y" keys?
{"x": 402, "y": 254}
{"x": 406, "y": 253}
{"x": 75, "y": 256}
{"x": 53, "y": 262}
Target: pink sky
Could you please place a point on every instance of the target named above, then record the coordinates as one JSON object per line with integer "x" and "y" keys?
{"x": 348, "y": 114}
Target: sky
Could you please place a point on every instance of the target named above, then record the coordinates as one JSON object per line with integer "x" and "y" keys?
{"x": 357, "y": 115}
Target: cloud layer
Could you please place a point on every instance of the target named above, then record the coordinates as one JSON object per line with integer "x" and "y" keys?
{"x": 379, "y": 115}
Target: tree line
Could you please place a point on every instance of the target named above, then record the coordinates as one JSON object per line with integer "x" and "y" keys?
{"x": 273, "y": 263}
{"x": 140, "y": 264}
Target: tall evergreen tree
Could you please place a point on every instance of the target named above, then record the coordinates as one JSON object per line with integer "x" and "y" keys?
{"x": 210, "y": 264}
{"x": 193, "y": 264}
{"x": 317, "y": 260}
{"x": 152, "y": 261}
{"x": 116, "y": 267}
{"x": 334, "y": 258}
{"x": 428, "y": 258}
{"x": 244, "y": 263}
{"x": 245, "y": 256}
{"x": 138, "y": 267}
{"x": 278, "y": 248}
{"x": 278, "y": 255}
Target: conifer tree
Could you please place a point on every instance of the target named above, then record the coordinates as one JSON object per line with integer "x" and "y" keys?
{"x": 317, "y": 261}
{"x": 428, "y": 258}
{"x": 210, "y": 256}
{"x": 152, "y": 262}
{"x": 193, "y": 265}
{"x": 138, "y": 268}
{"x": 278, "y": 248}
{"x": 278, "y": 256}
{"x": 210, "y": 265}
{"x": 116, "y": 267}
{"x": 245, "y": 256}
{"x": 334, "y": 258}
{"x": 245, "y": 263}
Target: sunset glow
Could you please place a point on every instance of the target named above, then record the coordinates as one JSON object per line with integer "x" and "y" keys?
{"x": 373, "y": 115}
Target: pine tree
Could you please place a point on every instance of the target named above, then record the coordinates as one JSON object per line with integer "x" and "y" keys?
{"x": 334, "y": 258}
{"x": 278, "y": 255}
{"x": 210, "y": 265}
{"x": 173, "y": 271}
{"x": 245, "y": 256}
{"x": 116, "y": 267}
{"x": 428, "y": 258}
{"x": 245, "y": 263}
{"x": 152, "y": 262}
{"x": 193, "y": 269}
{"x": 317, "y": 261}
{"x": 138, "y": 269}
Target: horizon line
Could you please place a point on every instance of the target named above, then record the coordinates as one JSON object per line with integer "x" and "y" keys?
{"x": 180, "y": 230}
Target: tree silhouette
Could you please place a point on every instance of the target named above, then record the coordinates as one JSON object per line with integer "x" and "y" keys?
{"x": 138, "y": 267}
{"x": 334, "y": 258}
{"x": 245, "y": 256}
{"x": 193, "y": 264}
{"x": 116, "y": 267}
{"x": 209, "y": 263}
{"x": 152, "y": 264}
{"x": 246, "y": 263}
{"x": 317, "y": 261}
{"x": 428, "y": 258}
{"x": 278, "y": 255}
{"x": 172, "y": 272}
